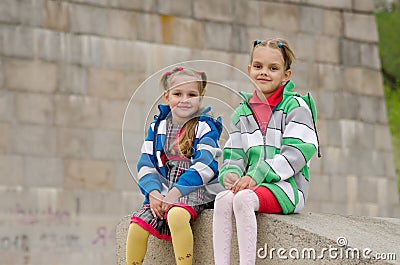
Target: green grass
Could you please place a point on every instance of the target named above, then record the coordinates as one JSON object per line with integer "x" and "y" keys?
{"x": 389, "y": 51}
{"x": 389, "y": 48}
{"x": 392, "y": 98}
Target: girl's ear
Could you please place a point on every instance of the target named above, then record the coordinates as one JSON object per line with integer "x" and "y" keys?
{"x": 287, "y": 75}
{"x": 248, "y": 69}
{"x": 166, "y": 94}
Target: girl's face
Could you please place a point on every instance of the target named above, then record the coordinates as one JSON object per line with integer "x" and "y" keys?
{"x": 184, "y": 100}
{"x": 267, "y": 69}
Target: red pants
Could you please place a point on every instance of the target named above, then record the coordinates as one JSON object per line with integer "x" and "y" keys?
{"x": 268, "y": 202}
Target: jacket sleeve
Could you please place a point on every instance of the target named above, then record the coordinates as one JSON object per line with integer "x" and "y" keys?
{"x": 204, "y": 166}
{"x": 149, "y": 177}
{"x": 235, "y": 159}
{"x": 299, "y": 144}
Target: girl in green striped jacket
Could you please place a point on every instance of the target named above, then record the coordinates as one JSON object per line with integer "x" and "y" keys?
{"x": 266, "y": 158}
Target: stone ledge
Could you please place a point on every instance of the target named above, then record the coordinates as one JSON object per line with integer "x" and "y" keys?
{"x": 300, "y": 231}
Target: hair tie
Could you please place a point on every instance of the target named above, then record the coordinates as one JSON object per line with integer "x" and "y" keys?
{"x": 200, "y": 73}
{"x": 180, "y": 68}
{"x": 279, "y": 44}
{"x": 168, "y": 73}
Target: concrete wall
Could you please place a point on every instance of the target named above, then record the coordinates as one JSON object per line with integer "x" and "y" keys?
{"x": 69, "y": 67}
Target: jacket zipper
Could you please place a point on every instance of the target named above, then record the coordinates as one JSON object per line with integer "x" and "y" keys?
{"x": 264, "y": 134}
{"x": 156, "y": 125}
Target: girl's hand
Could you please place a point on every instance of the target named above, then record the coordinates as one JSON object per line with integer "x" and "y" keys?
{"x": 172, "y": 196}
{"x": 156, "y": 200}
{"x": 243, "y": 183}
{"x": 230, "y": 179}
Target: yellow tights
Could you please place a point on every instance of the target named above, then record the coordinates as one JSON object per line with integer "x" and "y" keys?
{"x": 181, "y": 233}
{"x": 136, "y": 244}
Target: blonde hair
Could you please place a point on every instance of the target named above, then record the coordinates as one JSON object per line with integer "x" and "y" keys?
{"x": 187, "y": 136}
{"x": 280, "y": 44}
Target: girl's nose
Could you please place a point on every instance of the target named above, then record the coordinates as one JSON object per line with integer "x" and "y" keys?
{"x": 184, "y": 98}
{"x": 264, "y": 70}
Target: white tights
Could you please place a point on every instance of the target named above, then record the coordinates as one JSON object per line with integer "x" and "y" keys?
{"x": 243, "y": 204}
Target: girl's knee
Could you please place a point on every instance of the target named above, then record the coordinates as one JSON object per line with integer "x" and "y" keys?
{"x": 243, "y": 198}
{"x": 242, "y": 195}
{"x": 135, "y": 231}
{"x": 224, "y": 197}
{"x": 176, "y": 215}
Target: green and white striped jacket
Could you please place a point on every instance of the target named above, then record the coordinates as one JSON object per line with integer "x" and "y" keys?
{"x": 278, "y": 159}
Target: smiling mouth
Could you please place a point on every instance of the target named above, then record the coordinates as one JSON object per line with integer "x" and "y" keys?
{"x": 184, "y": 107}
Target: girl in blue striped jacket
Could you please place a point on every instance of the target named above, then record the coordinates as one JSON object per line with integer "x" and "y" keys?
{"x": 266, "y": 158}
{"x": 178, "y": 160}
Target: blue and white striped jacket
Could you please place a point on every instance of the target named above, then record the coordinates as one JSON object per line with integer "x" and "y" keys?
{"x": 204, "y": 167}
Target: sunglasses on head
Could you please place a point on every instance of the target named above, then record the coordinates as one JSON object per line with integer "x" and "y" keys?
{"x": 258, "y": 42}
